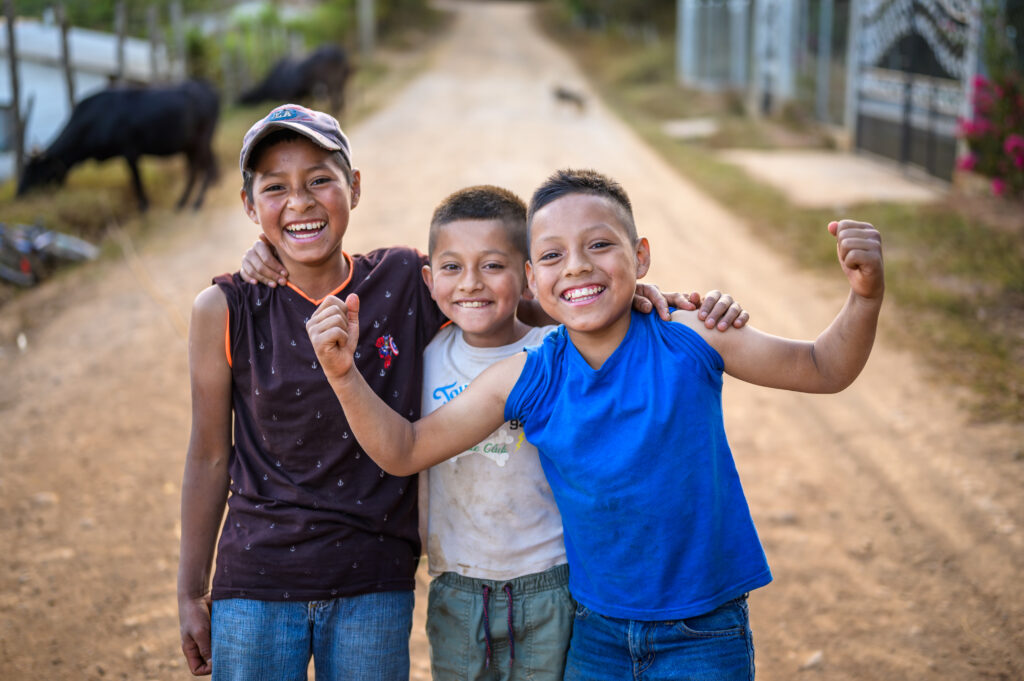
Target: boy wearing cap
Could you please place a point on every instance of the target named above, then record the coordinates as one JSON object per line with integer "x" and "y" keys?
{"x": 319, "y": 547}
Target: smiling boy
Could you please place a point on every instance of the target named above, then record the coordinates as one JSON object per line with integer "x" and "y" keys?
{"x": 661, "y": 546}
{"x": 319, "y": 546}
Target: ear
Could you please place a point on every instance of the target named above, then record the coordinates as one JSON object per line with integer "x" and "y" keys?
{"x": 643, "y": 257}
{"x": 531, "y": 281}
{"x": 428, "y": 279}
{"x": 356, "y": 188}
{"x": 248, "y": 206}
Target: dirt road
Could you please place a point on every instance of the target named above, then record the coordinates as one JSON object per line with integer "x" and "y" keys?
{"x": 893, "y": 525}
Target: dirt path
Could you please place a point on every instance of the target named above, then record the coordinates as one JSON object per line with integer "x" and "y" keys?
{"x": 893, "y": 525}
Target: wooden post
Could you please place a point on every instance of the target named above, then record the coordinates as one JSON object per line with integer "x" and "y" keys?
{"x": 65, "y": 55}
{"x": 19, "y": 129}
{"x": 152, "y": 19}
{"x": 178, "y": 30}
{"x": 119, "y": 29}
{"x": 824, "y": 60}
{"x": 367, "y": 27}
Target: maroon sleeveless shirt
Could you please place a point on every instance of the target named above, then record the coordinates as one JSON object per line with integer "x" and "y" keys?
{"x": 311, "y": 516}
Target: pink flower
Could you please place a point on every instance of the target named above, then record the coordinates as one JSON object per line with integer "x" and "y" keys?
{"x": 1019, "y": 161}
{"x": 1013, "y": 144}
{"x": 967, "y": 162}
{"x": 979, "y": 82}
{"x": 998, "y": 186}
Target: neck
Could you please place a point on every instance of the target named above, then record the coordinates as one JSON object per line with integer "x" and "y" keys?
{"x": 318, "y": 281}
{"x": 596, "y": 346}
{"x": 509, "y": 334}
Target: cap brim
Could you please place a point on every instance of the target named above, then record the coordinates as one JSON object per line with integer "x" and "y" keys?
{"x": 303, "y": 130}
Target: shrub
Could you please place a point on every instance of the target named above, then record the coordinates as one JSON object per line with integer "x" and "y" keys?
{"x": 995, "y": 132}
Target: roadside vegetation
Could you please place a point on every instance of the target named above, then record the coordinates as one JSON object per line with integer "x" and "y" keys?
{"x": 954, "y": 270}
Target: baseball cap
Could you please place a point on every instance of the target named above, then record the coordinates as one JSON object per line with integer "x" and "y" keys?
{"x": 321, "y": 128}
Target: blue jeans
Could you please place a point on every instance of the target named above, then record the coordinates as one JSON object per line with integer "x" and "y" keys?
{"x": 359, "y": 638}
{"x": 716, "y": 646}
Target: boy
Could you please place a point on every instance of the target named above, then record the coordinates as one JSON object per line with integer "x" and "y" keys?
{"x": 499, "y": 605}
{"x": 626, "y": 413}
{"x": 319, "y": 546}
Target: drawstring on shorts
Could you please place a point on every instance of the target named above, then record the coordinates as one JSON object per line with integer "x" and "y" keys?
{"x": 487, "y": 625}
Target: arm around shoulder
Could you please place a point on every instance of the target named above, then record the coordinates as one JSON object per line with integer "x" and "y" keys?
{"x": 397, "y": 446}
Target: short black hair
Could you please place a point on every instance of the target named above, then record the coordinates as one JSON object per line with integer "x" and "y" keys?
{"x": 482, "y": 202}
{"x": 571, "y": 181}
{"x": 278, "y": 137}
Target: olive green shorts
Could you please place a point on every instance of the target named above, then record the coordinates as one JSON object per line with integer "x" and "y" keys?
{"x": 500, "y": 630}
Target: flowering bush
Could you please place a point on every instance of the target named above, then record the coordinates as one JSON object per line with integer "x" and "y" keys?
{"x": 995, "y": 134}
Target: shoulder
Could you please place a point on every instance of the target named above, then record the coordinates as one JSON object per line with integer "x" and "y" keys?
{"x": 392, "y": 257}
{"x": 537, "y": 334}
{"x": 210, "y": 300}
{"x": 442, "y": 338}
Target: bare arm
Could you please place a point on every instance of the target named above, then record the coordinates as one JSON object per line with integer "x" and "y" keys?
{"x": 204, "y": 487}
{"x": 400, "y": 447}
{"x": 836, "y": 357}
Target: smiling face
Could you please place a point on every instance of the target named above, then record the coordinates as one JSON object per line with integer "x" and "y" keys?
{"x": 584, "y": 266}
{"x": 476, "y": 276}
{"x": 302, "y": 201}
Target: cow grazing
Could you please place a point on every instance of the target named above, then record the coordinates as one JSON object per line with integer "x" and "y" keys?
{"x": 322, "y": 74}
{"x": 133, "y": 122}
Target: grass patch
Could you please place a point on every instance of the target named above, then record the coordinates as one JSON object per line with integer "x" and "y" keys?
{"x": 956, "y": 278}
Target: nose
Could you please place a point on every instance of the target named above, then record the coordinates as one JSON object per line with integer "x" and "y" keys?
{"x": 300, "y": 199}
{"x": 470, "y": 280}
{"x": 577, "y": 262}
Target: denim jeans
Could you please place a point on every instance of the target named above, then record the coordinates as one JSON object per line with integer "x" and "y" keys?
{"x": 716, "y": 646}
{"x": 359, "y": 638}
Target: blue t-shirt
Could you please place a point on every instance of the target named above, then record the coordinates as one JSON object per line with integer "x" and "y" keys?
{"x": 656, "y": 523}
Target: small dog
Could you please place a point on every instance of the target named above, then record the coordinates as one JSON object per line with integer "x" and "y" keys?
{"x": 564, "y": 95}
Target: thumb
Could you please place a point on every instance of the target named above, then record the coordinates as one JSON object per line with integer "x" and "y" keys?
{"x": 352, "y": 305}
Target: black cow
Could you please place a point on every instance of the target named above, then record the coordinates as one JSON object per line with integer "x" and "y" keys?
{"x": 133, "y": 122}
{"x": 323, "y": 73}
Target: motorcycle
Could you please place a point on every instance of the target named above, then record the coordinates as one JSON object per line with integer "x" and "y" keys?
{"x": 30, "y": 253}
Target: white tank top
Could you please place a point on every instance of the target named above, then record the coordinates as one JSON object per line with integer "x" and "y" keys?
{"x": 489, "y": 511}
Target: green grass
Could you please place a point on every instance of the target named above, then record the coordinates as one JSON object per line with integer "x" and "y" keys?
{"x": 957, "y": 282}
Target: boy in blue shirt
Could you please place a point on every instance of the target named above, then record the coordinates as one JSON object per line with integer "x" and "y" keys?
{"x": 626, "y": 413}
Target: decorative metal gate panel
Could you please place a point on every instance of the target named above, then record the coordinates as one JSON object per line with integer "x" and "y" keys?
{"x": 915, "y": 61}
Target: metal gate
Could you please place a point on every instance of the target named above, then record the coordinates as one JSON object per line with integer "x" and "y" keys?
{"x": 915, "y": 61}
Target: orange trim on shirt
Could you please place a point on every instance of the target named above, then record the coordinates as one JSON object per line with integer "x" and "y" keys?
{"x": 348, "y": 259}
{"x": 227, "y": 336}
{"x": 446, "y": 324}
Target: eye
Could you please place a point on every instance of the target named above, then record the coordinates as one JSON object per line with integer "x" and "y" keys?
{"x": 272, "y": 188}
{"x": 494, "y": 266}
{"x": 450, "y": 267}
{"x": 550, "y": 255}
{"x": 600, "y": 243}
{"x": 320, "y": 180}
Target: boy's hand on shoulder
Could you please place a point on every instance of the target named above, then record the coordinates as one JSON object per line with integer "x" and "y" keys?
{"x": 859, "y": 247}
{"x": 260, "y": 265}
{"x": 717, "y": 309}
{"x": 334, "y": 332}
{"x": 720, "y": 311}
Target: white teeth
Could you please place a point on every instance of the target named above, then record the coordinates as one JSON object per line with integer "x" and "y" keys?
{"x": 472, "y": 303}
{"x": 306, "y": 226}
{"x": 586, "y": 292}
